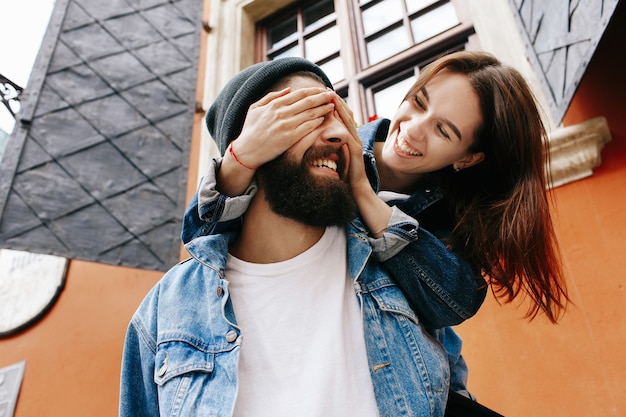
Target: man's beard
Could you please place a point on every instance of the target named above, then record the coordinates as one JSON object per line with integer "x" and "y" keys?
{"x": 293, "y": 192}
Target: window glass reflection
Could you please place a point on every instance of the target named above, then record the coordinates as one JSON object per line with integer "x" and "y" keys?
{"x": 334, "y": 70}
{"x": 323, "y": 44}
{"x": 413, "y": 6}
{"x": 387, "y": 45}
{"x": 434, "y": 22}
{"x": 387, "y": 100}
{"x": 293, "y": 51}
{"x": 381, "y": 15}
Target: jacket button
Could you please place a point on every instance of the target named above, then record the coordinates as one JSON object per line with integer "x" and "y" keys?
{"x": 220, "y": 291}
{"x": 231, "y": 336}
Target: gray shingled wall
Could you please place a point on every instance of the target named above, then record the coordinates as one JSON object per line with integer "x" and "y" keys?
{"x": 96, "y": 167}
{"x": 560, "y": 38}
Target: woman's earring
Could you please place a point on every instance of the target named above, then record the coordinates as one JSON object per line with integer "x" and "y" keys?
{"x": 457, "y": 169}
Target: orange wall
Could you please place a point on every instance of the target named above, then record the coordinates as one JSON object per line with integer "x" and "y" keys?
{"x": 576, "y": 368}
{"x": 73, "y": 354}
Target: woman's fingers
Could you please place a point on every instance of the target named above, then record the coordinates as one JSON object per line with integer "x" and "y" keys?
{"x": 298, "y": 113}
{"x": 357, "y": 173}
{"x": 345, "y": 114}
{"x": 271, "y": 96}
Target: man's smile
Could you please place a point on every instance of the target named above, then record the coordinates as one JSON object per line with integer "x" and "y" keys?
{"x": 326, "y": 164}
{"x": 326, "y": 161}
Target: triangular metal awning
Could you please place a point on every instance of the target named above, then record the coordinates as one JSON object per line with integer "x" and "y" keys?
{"x": 561, "y": 37}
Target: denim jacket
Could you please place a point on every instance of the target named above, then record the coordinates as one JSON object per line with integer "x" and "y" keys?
{"x": 182, "y": 345}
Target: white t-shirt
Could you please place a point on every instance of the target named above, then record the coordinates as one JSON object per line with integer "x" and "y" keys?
{"x": 303, "y": 351}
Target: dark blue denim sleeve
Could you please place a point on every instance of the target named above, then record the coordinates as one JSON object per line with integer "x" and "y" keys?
{"x": 193, "y": 225}
{"x": 441, "y": 287}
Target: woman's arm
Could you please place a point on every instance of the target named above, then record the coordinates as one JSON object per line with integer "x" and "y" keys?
{"x": 376, "y": 214}
{"x": 443, "y": 288}
{"x": 211, "y": 212}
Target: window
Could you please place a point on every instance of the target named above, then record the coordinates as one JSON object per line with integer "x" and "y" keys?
{"x": 370, "y": 49}
{"x": 392, "y": 26}
{"x": 309, "y": 31}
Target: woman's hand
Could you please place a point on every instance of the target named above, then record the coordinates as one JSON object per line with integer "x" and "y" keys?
{"x": 374, "y": 211}
{"x": 272, "y": 125}
{"x": 357, "y": 176}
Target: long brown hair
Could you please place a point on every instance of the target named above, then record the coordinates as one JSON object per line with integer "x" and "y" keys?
{"x": 501, "y": 209}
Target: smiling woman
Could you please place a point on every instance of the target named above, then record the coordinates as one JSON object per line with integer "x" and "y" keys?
{"x": 470, "y": 129}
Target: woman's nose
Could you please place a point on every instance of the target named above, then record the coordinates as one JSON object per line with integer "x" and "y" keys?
{"x": 415, "y": 128}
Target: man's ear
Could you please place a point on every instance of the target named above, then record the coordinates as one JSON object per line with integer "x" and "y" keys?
{"x": 469, "y": 160}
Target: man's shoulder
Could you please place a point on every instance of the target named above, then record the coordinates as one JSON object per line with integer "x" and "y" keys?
{"x": 172, "y": 308}
{"x": 210, "y": 250}
{"x": 187, "y": 275}
{"x": 187, "y": 282}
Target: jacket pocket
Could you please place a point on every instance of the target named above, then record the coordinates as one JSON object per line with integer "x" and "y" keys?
{"x": 389, "y": 298}
{"x": 177, "y": 358}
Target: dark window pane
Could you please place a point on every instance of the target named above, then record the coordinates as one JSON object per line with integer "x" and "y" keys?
{"x": 282, "y": 32}
{"x": 317, "y": 11}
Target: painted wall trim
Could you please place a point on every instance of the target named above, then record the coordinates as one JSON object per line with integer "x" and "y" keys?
{"x": 575, "y": 150}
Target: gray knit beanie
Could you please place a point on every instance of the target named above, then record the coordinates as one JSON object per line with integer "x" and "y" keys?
{"x": 227, "y": 113}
